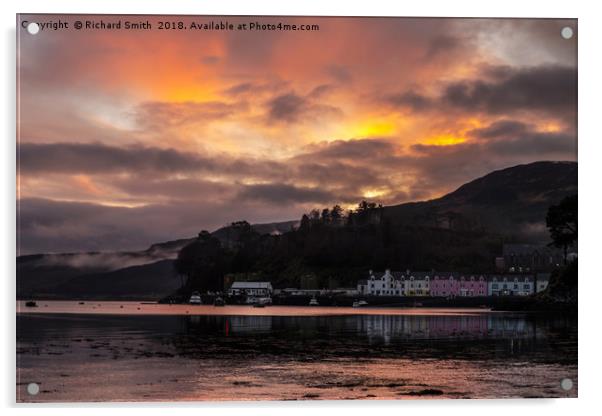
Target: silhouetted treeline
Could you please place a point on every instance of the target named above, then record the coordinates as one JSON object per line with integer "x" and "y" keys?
{"x": 332, "y": 246}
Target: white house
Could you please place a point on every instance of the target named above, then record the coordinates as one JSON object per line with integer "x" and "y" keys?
{"x": 511, "y": 285}
{"x": 385, "y": 284}
{"x": 395, "y": 284}
{"x": 260, "y": 289}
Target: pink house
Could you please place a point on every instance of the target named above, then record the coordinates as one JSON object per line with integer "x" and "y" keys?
{"x": 450, "y": 284}
{"x": 445, "y": 284}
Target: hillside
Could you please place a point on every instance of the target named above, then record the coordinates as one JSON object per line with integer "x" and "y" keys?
{"x": 511, "y": 201}
{"x": 159, "y": 278}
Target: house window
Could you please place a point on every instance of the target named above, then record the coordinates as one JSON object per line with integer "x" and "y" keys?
{"x": 494, "y": 286}
{"x": 527, "y": 286}
{"x": 515, "y": 286}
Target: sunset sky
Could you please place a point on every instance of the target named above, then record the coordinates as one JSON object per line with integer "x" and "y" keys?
{"x": 128, "y": 138}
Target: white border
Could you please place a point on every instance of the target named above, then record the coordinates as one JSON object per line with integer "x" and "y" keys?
{"x": 590, "y": 93}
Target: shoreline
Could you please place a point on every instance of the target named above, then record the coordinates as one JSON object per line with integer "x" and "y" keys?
{"x": 146, "y": 308}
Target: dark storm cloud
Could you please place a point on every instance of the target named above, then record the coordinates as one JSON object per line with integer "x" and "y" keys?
{"x": 240, "y": 88}
{"x": 355, "y": 150}
{"x": 287, "y": 107}
{"x": 549, "y": 89}
{"x": 336, "y": 165}
{"x": 172, "y": 189}
{"x": 255, "y": 88}
{"x": 537, "y": 144}
{"x": 502, "y": 128}
{"x": 511, "y": 143}
{"x": 100, "y": 158}
{"x": 291, "y": 107}
{"x": 320, "y": 91}
{"x": 508, "y": 137}
{"x": 442, "y": 44}
{"x": 410, "y": 99}
{"x": 340, "y": 73}
{"x": 284, "y": 193}
{"x": 331, "y": 172}
{"x": 158, "y": 115}
{"x": 500, "y": 90}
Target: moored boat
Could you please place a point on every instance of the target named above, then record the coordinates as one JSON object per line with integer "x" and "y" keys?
{"x": 314, "y": 302}
{"x": 195, "y": 299}
{"x": 360, "y": 303}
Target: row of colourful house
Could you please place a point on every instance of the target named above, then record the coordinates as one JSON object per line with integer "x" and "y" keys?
{"x": 451, "y": 284}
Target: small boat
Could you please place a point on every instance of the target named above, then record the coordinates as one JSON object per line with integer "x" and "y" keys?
{"x": 219, "y": 302}
{"x": 314, "y": 302}
{"x": 259, "y": 305}
{"x": 31, "y": 304}
{"x": 359, "y": 304}
{"x": 266, "y": 301}
{"x": 195, "y": 299}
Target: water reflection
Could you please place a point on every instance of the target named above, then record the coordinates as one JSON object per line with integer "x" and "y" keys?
{"x": 384, "y": 327}
{"x": 263, "y": 355}
{"x": 321, "y": 335}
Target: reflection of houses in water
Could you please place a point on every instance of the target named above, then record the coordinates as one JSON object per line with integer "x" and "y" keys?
{"x": 385, "y": 327}
{"x": 234, "y": 324}
{"x": 458, "y": 326}
{"x": 249, "y": 324}
{"x": 389, "y": 327}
